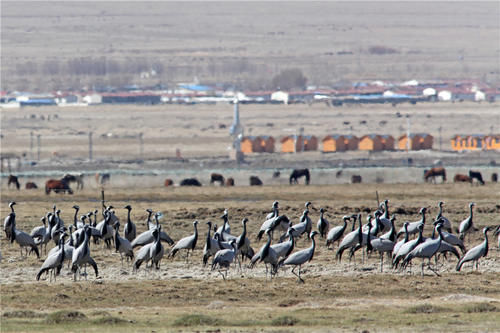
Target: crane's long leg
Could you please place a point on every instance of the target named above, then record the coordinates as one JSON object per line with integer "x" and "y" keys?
{"x": 299, "y": 275}
{"x": 432, "y": 269}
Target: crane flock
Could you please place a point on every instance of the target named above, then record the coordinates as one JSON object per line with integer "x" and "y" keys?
{"x": 76, "y": 242}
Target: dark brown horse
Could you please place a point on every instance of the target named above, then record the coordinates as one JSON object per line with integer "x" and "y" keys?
{"x": 356, "y": 179}
{"x": 13, "y": 180}
{"x": 255, "y": 181}
{"x": 297, "y": 173}
{"x": 476, "y": 175}
{"x": 74, "y": 178}
{"x": 57, "y": 185}
{"x": 217, "y": 177}
{"x": 494, "y": 177}
{"x": 459, "y": 178}
{"x": 30, "y": 186}
{"x": 230, "y": 181}
{"x": 430, "y": 175}
{"x": 169, "y": 182}
{"x": 190, "y": 182}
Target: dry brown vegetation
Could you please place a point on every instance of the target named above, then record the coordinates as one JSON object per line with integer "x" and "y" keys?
{"x": 70, "y": 45}
{"x": 195, "y": 129}
{"x": 340, "y": 297}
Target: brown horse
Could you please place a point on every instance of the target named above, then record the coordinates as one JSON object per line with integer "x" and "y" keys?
{"x": 217, "y": 177}
{"x": 13, "y": 180}
{"x": 169, "y": 182}
{"x": 30, "y": 186}
{"x": 430, "y": 175}
{"x": 57, "y": 185}
{"x": 230, "y": 181}
{"x": 459, "y": 178}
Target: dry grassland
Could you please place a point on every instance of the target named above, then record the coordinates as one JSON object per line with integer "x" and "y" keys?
{"x": 195, "y": 130}
{"x": 247, "y": 43}
{"x": 188, "y": 297}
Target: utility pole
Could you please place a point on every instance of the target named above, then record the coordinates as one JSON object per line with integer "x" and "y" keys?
{"x": 141, "y": 146}
{"x": 440, "y": 138}
{"x": 39, "y": 145}
{"x": 31, "y": 145}
{"x": 408, "y": 124}
{"x": 90, "y": 146}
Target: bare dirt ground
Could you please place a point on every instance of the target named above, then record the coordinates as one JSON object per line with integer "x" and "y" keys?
{"x": 336, "y": 296}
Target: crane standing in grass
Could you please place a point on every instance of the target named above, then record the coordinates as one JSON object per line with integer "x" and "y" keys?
{"x": 475, "y": 253}
{"x": 301, "y": 257}
{"x": 186, "y": 243}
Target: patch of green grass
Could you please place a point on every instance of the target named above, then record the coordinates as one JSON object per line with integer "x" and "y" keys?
{"x": 426, "y": 308}
{"x": 481, "y": 307}
{"x": 285, "y": 321}
{"x": 23, "y": 314}
{"x": 198, "y": 320}
{"x": 64, "y": 316}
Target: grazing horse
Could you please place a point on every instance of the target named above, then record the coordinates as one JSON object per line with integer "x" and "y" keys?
{"x": 230, "y": 181}
{"x": 13, "y": 180}
{"x": 297, "y": 173}
{"x": 31, "y": 186}
{"x": 459, "y": 178}
{"x": 356, "y": 179}
{"x": 74, "y": 178}
{"x": 476, "y": 175}
{"x": 433, "y": 173}
{"x": 217, "y": 177}
{"x": 57, "y": 185}
{"x": 190, "y": 182}
{"x": 169, "y": 182}
{"x": 102, "y": 178}
{"x": 255, "y": 181}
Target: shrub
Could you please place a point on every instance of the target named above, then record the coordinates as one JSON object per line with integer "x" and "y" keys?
{"x": 481, "y": 307}
{"x": 65, "y": 317}
{"x": 198, "y": 320}
{"x": 426, "y": 308}
{"x": 109, "y": 321}
{"x": 284, "y": 321}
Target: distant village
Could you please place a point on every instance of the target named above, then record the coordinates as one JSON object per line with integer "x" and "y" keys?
{"x": 193, "y": 93}
{"x": 365, "y": 92}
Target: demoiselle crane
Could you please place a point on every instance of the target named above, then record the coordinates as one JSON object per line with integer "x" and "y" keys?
{"x": 475, "y": 253}
{"x": 299, "y": 258}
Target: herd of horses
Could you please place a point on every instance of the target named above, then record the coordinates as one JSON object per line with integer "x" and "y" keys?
{"x": 431, "y": 174}
{"x": 217, "y": 178}
{"x": 63, "y": 185}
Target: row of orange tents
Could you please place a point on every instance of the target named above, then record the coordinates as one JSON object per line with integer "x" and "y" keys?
{"x": 334, "y": 143}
